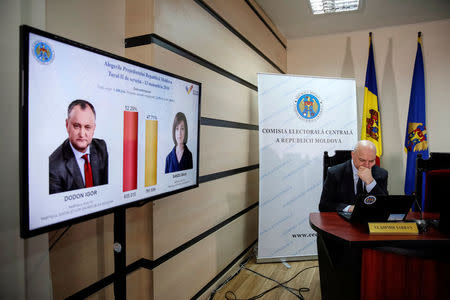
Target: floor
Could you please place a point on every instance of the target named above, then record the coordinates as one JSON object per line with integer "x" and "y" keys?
{"x": 297, "y": 275}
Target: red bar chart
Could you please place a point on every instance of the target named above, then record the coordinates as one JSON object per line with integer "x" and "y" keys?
{"x": 130, "y": 150}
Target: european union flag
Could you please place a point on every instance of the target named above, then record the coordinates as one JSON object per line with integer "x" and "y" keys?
{"x": 416, "y": 139}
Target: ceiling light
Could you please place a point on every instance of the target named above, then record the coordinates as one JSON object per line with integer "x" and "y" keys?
{"x": 320, "y": 7}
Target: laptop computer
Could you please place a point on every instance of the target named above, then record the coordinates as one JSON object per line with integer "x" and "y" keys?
{"x": 379, "y": 208}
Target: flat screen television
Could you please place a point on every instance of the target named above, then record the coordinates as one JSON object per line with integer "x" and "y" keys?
{"x": 99, "y": 132}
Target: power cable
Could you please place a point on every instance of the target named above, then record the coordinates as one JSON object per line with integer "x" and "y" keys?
{"x": 59, "y": 237}
{"x": 231, "y": 296}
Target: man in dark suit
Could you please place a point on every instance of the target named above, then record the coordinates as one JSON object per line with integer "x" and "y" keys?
{"x": 81, "y": 161}
{"x": 340, "y": 187}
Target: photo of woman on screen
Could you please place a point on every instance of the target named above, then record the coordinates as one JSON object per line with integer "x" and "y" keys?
{"x": 180, "y": 158}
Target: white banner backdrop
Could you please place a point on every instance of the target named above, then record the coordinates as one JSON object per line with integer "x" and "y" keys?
{"x": 300, "y": 117}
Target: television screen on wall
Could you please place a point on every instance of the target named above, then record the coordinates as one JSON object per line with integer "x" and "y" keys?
{"x": 99, "y": 132}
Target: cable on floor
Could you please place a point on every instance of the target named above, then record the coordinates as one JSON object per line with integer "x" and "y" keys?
{"x": 241, "y": 266}
{"x": 229, "y": 295}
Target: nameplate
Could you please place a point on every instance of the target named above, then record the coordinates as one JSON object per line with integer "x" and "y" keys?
{"x": 393, "y": 228}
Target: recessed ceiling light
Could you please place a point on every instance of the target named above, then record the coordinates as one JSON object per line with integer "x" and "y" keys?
{"x": 320, "y": 7}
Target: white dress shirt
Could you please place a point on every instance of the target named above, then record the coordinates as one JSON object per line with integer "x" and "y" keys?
{"x": 367, "y": 187}
{"x": 80, "y": 160}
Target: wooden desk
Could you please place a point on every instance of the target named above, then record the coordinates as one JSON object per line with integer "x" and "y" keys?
{"x": 356, "y": 265}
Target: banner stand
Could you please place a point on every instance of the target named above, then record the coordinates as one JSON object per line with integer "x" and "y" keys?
{"x": 300, "y": 117}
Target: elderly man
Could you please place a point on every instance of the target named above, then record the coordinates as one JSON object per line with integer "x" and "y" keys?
{"x": 81, "y": 161}
{"x": 341, "y": 185}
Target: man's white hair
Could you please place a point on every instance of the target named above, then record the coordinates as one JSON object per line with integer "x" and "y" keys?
{"x": 365, "y": 144}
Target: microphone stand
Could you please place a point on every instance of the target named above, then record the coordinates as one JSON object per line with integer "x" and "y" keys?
{"x": 421, "y": 223}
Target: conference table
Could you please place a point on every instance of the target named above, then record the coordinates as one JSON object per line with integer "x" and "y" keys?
{"x": 354, "y": 264}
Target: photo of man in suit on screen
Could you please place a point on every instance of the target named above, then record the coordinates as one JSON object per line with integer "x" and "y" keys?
{"x": 81, "y": 161}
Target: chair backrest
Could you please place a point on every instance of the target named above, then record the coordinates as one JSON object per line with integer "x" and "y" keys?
{"x": 340, "y": 156}
{"x": 437, "y": 177}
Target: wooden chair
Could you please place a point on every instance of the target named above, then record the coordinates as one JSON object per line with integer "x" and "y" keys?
{"x": 340, "y": 156}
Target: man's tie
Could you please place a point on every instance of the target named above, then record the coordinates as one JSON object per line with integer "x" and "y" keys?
{"x": 87, "y": 172}
{"x": 359, "y": 187}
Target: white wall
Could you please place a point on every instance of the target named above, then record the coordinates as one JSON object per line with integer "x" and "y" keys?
{"x": 345, "y": 55}
{"x": 24, "y": 264}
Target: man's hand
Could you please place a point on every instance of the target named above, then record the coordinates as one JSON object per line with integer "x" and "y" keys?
{"x": 365, "y": 174}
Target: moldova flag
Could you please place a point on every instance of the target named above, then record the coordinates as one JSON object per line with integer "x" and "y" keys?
{"x": 416, "y": 139}
{"x": 371, "y": 123}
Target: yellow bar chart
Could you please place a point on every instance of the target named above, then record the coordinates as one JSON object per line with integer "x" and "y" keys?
{"x": 151, "y": 148}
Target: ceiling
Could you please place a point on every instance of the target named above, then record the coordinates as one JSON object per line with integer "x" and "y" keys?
{"x": 294, "y": 19}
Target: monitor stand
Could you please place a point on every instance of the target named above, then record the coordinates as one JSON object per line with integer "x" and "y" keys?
{"x": 120, "y": 275}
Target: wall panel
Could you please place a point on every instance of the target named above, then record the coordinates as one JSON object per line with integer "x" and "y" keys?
{"x": 82, "y": 256}
{"x": 106, "y": 293}
{"x": 99, "y": 24}
{"x": 222, "y": 98}
{"x": 140, "y": 284}
{"x": 241, "y": 16}
{"x": 180, "y": 218}
{"x": 185, "y": 274}
{"x": 139, "y": 232}
{"x": 186, "y": 24}
{"x": 227, "y": 148}
{"x": 268, "y": 21}
{"x": 139, "y": 17}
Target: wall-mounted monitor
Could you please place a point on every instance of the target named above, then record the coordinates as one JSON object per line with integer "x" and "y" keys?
{"x": 98, "y": 132}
